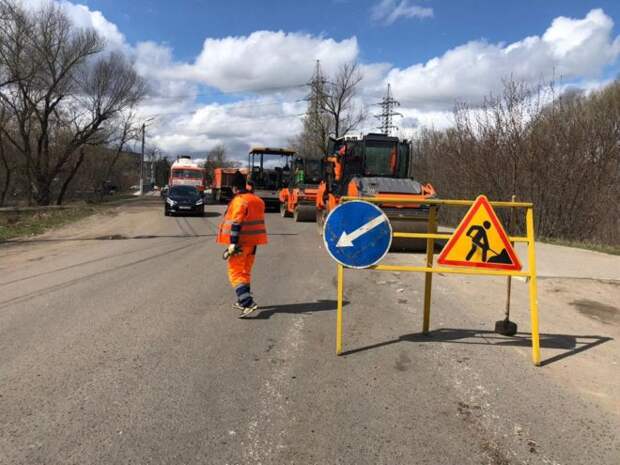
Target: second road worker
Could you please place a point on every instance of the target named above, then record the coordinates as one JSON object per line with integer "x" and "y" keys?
{"x": 242, "y": 229}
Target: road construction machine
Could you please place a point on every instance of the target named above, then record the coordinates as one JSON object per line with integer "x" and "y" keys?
{"x": 299, "y": 198}
{"x": 378, "y": 166}
{"x": 221, "y": 187}
{"x": 270, "y": 171}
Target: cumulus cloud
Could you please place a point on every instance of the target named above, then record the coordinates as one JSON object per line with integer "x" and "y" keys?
{"x": 389, "y": 11}
{"x": 263, "y": 64}
{"x": 264, "y": 60}
{"x": 569, "y": 48}
{"x": 84, "y": 17}
{"x": 239, "y": 125}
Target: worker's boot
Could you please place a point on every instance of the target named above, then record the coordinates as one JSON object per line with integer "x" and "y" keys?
{"x": 249, "y": 309}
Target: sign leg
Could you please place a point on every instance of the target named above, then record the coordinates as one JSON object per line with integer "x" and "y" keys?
{"x": 531, "y": 257}
{"x": 339, "y": 309}
{"x": 428, "y": 279}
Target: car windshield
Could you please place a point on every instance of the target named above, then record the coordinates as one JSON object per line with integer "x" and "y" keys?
{"x": 380, "y": 160}
{"x": 184, "y": 191}
{"x": 187, "y": 174}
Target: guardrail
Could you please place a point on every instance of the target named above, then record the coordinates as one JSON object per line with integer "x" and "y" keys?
{"x": 431, "y": 235}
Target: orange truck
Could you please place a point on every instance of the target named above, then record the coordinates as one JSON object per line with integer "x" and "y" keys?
{"x": 379, "y": 166}
{"x": 221, "y": 187}
{"x": 185, "y": 172}
{"x": 299, "y": 198}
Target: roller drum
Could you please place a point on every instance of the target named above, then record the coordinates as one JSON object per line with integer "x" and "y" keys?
{"x": 305, "y": 213}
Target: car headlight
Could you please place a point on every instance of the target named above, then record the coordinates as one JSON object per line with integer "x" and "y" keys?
{"x": 170, "y": 202}
{"x": 199, "y": 202}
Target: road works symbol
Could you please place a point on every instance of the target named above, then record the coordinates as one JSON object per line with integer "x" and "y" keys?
{"x": 357, "y": 234}
{"x": 480, "y": 241}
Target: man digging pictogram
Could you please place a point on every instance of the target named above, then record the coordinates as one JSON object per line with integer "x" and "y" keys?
{"x": 480, "y": 240}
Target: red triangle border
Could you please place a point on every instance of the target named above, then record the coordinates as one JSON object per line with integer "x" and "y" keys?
{"x": 481, "y": 201}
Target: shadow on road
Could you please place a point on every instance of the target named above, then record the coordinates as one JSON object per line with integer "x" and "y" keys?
{"x": 306, "y": 307}
{"x": 120, "y": 237}
{"x": 206, "y": 214}
{"x": 570, "y": 344}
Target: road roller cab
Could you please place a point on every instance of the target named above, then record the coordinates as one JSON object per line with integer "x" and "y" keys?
{"x": 299, "y": 198}
{"x": 376, "y": 166}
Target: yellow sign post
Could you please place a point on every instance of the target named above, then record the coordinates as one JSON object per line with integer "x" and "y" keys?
{"x": 466, "y": 242}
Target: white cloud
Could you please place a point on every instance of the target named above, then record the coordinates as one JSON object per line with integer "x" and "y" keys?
{"x": 264, "y": 63}
{"x": 84, "y": 17}
{"x": 257, "y": 121}
{"x": 264, "y": 60}
{"x": 569, "y": 48}
{"x": 389, "y": 11}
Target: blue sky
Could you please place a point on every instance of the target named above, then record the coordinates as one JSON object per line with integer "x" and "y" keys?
{"x": 184, "y": 24}
{"x": 225, "y": 71}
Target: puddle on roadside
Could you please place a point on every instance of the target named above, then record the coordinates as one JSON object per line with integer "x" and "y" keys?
{"x": 604, "y": 313}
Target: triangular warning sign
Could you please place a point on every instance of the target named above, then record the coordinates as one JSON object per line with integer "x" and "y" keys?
{"x": 480, "y": 241}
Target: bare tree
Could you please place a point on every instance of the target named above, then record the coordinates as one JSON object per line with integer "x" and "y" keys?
{"x": 7, "y": 171}
{"x": 218, "y": 157}
{"x": 332, "y": 110}
{"x": 121, "y": 134}
{"x": 339, "y": 100}
{"x": 318, "y": 125}
{"x": 560, "y": 151}
{"x": 61, "y": 91}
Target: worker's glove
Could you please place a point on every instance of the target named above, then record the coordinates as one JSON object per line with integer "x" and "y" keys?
{"x": 233, "y": 249}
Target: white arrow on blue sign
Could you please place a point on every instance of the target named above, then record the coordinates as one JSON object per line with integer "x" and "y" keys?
{"x": 357, "y": 234}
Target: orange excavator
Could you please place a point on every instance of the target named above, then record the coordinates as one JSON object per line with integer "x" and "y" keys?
{"x": 299, "y": 198}
{"x": 379, "y": 166}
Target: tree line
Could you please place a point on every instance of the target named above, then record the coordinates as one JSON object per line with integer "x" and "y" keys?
{"x": 557, "y": 149}
{"x": 64, "y": 99}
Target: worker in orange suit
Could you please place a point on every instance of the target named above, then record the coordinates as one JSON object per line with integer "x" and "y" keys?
{"x": 335, "y": 160}
{"x": 242, "y": 230}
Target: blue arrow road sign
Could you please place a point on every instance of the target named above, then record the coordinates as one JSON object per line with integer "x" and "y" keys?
{"x": 357, "y": 234}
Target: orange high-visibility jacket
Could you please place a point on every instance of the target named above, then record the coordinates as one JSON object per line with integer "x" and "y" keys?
{"x": 244, "y": 222}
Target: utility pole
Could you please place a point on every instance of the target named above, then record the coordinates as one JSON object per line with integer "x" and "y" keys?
{"x": 142, "y": 161}
{"x": 388, "y": 103}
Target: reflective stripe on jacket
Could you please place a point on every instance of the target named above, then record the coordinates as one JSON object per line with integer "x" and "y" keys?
{"x": 244, "y": 222}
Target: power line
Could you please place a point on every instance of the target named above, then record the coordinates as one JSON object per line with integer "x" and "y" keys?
{"x": 228, "y": 92}
{"x": 232, "y": 106}
{"x": 388, "y": 103}
{"x": 248, "y": 119}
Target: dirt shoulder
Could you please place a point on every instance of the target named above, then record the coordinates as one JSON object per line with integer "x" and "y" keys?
{"x": 579, "y": 316}
{"x": 27, "y": 223}
{"x": 76, "y": 227}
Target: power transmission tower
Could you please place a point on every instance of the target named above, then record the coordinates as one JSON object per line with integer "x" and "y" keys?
{"x": 387, "y": 104}
{"x": 317, "y": 92}
{"x": 316, "y": 127}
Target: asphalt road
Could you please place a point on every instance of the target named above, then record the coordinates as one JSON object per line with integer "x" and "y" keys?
{"x": 118, "y": 345}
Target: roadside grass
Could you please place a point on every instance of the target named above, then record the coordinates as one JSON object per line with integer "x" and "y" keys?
{"x": 604, "y": 248}
{"x": 24, "y": 223}
{"x": 31, "y": 223}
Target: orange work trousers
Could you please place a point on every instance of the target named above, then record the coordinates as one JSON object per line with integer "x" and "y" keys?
{"x": 240, "y": 266}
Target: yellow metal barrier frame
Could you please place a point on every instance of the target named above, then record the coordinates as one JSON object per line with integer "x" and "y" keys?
{"x": 429, "y": 269}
